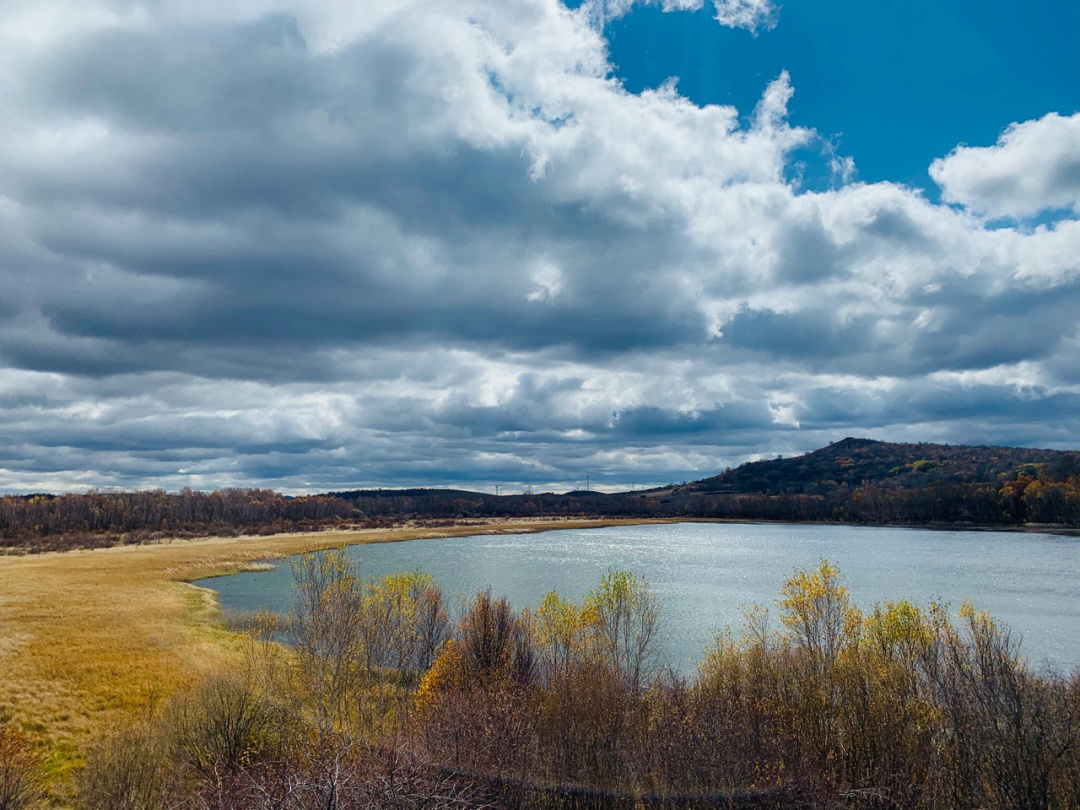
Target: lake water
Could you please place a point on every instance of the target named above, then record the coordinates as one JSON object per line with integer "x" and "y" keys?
{"x": 706, "y": 574}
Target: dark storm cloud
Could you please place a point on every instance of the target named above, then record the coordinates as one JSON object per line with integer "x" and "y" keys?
{"x": 806, "y": 335}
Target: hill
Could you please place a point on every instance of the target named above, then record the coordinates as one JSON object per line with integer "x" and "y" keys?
{"x": 863, "y": 462}
{"x": 867, "y": 481}
{"x": 849, "y": 481}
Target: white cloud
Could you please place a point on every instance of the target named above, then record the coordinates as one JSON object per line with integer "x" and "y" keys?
{"x": 748, "y": 14}
{"x": 1034, "y": 166}
{"x": 548, "y": 279}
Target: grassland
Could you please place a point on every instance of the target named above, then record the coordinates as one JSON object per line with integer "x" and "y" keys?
{"x": 89, "y": 639}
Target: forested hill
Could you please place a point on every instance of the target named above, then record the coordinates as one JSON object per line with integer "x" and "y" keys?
{"x": 855, "y": 463}
{"x": 864, "y": 481}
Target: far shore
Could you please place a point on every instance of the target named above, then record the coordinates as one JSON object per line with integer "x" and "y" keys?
{"x": 414, "y": 529}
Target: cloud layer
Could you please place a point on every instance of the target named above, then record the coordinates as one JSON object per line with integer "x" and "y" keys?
{"x": 322, "y": 245}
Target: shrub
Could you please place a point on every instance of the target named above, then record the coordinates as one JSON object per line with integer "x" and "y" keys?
{"x": 487, "y": 638}
{"x": 225, "y": 724}
{"x": 129, "y": 769}
{"x": 20, "y": 777}
{"x": 905, "y": 707}
{"x": 623, "y": 617}
{"x": 447, "y": 674}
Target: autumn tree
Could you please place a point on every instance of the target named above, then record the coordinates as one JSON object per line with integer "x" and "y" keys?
{"x": 623, "y": 617}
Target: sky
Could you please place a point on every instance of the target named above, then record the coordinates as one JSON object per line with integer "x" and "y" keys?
{"x": 323, "y": 245}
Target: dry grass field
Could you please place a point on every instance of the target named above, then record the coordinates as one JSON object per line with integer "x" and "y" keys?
{"x": 91, "y": 638}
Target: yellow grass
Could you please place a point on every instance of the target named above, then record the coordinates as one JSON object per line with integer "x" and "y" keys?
{"x": 92, "y": 638}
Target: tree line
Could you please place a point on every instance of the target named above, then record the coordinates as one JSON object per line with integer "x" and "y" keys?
{"x": 50, "y": 522}
{"x": 1010, "y": 502}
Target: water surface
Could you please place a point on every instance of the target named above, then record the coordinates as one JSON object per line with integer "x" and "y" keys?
{"x": 707, "y": 573}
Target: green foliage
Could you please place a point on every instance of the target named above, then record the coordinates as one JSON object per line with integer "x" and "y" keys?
{"x": 561, "y": 632}
{"x": 818, "y": 614}
{"x": 897, "y": 629}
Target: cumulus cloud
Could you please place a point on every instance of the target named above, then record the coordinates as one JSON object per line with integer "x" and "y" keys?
{"x": 318, "y": 245}
{"x": 1034, "y": 166}
{"x": 748, "y": 14}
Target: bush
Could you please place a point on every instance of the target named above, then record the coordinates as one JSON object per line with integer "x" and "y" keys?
{"x": 129, "y": 769}
{"x": 20, "y": 776}
{"x": 225, "y": 724}
{"x": 903, "y": 707}
{"x": 487, "y": 638}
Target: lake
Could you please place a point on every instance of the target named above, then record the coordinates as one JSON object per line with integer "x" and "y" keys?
{"x": 707, "y": 573}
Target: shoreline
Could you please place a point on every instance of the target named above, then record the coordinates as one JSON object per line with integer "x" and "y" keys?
{"x": 1059, "y": 529}
{"x": 530, "y": 525}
